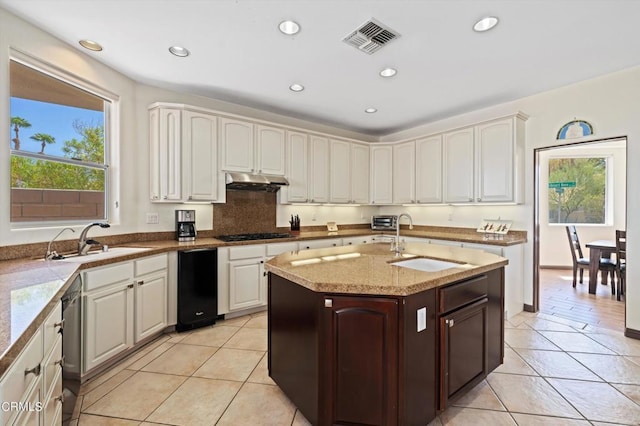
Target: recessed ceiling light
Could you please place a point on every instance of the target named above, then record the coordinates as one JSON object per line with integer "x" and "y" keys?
{"x": 91, "y": 45}
{"x": 370, "y": 110}
{"x": 485, "y": 24}
{"x": 179, "y": 51}
{"x": 295, "y": 87}
{"x": 289, "y": 27}
{"x": 388, "y": 72}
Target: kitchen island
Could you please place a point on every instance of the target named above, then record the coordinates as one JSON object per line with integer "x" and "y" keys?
{"x": 354, "y": 338}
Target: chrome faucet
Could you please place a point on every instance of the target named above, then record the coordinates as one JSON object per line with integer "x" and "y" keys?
{"x": 83, "y": 244}
{"x": 396, "y": 247}
{"x": 49, "y": 255}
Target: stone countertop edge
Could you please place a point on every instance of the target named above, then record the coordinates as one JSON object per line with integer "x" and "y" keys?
{"x": 372, "y": 271}
{"x": 18, "y": 273}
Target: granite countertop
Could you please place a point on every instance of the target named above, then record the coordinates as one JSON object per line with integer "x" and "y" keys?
{"x": 30, "y": 288}
{"x": 369, "y": 269}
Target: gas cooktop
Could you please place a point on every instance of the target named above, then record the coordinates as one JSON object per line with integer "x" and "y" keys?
{"x": 249, "y": 237}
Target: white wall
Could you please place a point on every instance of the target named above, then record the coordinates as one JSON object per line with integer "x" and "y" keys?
{"x": 554, "y": 244}
{"x": 320, "y": 215}
{"x": 21, "y": 36}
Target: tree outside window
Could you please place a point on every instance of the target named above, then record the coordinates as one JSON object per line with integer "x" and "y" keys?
{"x": 577, "y": 190}
{"x": 58, "y": 147}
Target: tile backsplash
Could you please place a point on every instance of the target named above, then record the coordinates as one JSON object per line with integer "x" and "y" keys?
{"x": 245, "y": 212}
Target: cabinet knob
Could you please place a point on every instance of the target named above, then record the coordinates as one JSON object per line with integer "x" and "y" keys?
{"x": 140, "y": 282}
{"x": 450, "y": 322}
{"x": 130, "y": 286}
{"x": 470, "y": 200}
{"x": 478, "y": 199}
{"x": 165, "y": 197}
{"x": 35, "y": 370}
{"x": 190, "y": 197}
{"x": 60, "y": 362}
{"x": 328, "y": 303}
{"x": 373, "y": 202}
{"x": 59, "y": 324}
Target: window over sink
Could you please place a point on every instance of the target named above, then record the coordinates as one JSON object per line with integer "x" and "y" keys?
{"x": 59, "y": 141}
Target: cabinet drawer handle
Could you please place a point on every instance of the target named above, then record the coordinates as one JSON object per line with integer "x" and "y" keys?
{"x": 165, "y": 197}
{"x": 59, "y": 324}
{"x": 60, "y": 362}
{"x": 140, "y": 282}
{"x": 199, "y": 314}
{"x": 35, "y": 370}
{"x": 130, "y": 286}
{"x": 450, "y": 322}
{"x": 478, "y": 199}
{"x": 264, "y": 274}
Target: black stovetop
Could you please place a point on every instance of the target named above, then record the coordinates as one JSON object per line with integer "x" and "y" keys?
{"x": 249, "y": 237}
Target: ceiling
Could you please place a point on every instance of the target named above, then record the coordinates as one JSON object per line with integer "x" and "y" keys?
{"x": 444, "y": 67}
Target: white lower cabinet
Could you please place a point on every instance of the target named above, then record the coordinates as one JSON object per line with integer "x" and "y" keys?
{"x": 108, "y": 324}
{"x": 513, "y": 274}
{"x": 242, "y": 282}
{"x": 324, "y": 243}
{"x": 123, "y": 304}
{"x": 356, "y": 240}
{"x": 34, "y": 380}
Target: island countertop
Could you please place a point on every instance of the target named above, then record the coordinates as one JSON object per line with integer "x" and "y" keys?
{"x": 369, "y": 268}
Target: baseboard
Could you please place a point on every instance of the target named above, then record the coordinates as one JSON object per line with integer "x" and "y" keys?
{"x": 528, "y": 308}
{"x": 634, "y": 334}
{"x": 555, "y": 267}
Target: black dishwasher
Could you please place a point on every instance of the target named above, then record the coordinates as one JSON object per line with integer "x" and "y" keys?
{"x": 197, "y": 288}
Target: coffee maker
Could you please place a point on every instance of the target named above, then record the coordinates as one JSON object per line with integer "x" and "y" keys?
{"x": 185, "y": 225}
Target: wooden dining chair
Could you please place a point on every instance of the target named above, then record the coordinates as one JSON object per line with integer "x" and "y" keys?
{"x": 621, "y": 261}
{"x": 581, "y": 263}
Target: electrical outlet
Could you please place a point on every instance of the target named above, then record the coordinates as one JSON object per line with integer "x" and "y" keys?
{"x": 153, "y": 218}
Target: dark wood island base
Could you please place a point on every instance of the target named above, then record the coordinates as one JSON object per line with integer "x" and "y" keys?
{"x": 346, "y": 359}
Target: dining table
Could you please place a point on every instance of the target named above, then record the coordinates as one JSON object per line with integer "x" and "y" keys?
{"x": 598, "y": 249}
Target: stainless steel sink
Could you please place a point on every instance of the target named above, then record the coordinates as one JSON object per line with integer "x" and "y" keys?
{"x": 93, "y": 256}
{"x": 429, "y": 265}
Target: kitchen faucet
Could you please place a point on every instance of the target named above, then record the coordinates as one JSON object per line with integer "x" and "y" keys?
{"x": 397, "y": 248}
{"x": 53, "y": 254}
{"x": 83, "y": 244}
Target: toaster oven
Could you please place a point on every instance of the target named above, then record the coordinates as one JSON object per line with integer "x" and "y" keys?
{"x": 384, "y": 223}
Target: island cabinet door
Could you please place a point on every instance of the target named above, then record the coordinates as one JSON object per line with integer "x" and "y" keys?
{"x": 463, "y": 350}
{"x": 361, "y": 358}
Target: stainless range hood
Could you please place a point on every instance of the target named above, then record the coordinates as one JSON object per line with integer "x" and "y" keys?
{"x": 253, "y": 182}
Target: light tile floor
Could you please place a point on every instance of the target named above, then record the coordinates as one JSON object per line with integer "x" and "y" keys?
{"x": 556, "y": 372}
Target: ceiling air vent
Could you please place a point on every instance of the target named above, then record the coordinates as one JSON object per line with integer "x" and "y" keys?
{"x": 371, "y": 36}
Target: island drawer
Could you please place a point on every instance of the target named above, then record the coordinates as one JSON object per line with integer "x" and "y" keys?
{"x": 463, "y": 293}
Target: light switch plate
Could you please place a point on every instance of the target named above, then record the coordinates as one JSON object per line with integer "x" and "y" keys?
{"x": 422, "y": 319}
{"x": 153, "y": 218}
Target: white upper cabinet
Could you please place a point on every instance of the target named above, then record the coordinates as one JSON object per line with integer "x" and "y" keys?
{"x": 495, "y": 161}
{"x": 237, "y": 148}
{"x": 458, "y": 166}
{"x": 297, "y": 170}
{"x": 319, "y": 170}
{"x": 340, "y": 173}
{"x": 484, "y": 163}
{"x": 429, "y": 170}
{"x": 270, "y": 149}
{"x": 360, "y": 173}
{"x": 165, "y": 165}
{"x": 201, "y": 179}
{"x": 381, "y": 174}
{"x": 252, "y": 148}
{"x": 404, "y": 173}
{"x": 183, "y": 155}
